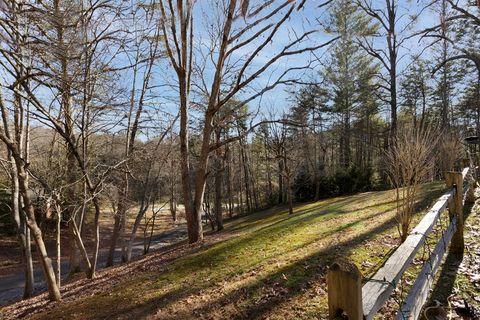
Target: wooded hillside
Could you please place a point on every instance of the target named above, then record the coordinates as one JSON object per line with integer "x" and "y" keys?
{"x": 129, "y": 126}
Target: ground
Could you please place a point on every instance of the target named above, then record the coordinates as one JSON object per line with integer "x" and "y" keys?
{"x": 268, "y": 265}
{"x": 165, "y": 232}
{"x": 10, "y": 258}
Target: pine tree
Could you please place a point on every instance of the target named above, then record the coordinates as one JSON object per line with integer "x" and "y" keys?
{"x": 309, "y": 111}
{"x": 348, "y": 70}
{"x": 415, "y": 91}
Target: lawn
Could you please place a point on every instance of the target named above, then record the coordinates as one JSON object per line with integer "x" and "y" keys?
{"x": 265, "y": 265}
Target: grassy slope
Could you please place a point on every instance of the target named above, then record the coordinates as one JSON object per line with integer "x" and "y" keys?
{"x": 268, "y": 264}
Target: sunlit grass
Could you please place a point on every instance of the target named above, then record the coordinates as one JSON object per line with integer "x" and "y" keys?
{"x": 274, "y": 264}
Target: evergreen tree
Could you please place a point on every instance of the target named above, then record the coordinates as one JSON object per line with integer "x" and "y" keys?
{"x": 309, "y": 110}
{"x": 415, "y": 90}
{"x": 349, "y": 70}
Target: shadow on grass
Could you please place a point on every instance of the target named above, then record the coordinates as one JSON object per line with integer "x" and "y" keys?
{"x": 301, "y": 275}
{"x": 334, "y": 206}
{"x": 251, "y": 300}
{"x": 444, "y": 286}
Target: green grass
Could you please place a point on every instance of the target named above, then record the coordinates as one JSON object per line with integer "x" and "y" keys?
{"x": 273, "y": 265}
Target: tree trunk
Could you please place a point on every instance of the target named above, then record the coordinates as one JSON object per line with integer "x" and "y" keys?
{"x": 240, "y": 184}
{"x": 392, "y": 46}
{"x": 192, "y": 209}
{"x": 280, "y": 181}
{"x": 229, "y": 181}
{"x": 347, "y": 157}
{"x": 120, "y": 220}
{"x": 254, "y": 187}
{"x": 81, "y": 247}
{"x": 246, "y": 176}
{"x": 59, "y": 253}
{"x": 218, "y": 192}
{"x": 21, "y": 136}
{"x": 114, "y": 239}
{"x": 270, "y": 187}
{"x": 173, "y": 196}
{"x": 133, "y": 234}
{"x": 290, "y": 195}
{"x": 173, "y": 206}
{"x": 96, "y": 237}
{"x": 53, "y": 290}
{"x": 289, "y": 191}
{"x": 23, "y": 232}
{"x": 445, "y": 71}
{"x": 28, "y": 261}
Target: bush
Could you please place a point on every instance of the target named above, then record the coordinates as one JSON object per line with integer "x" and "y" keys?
{"x": 345, "y": 181}
{"x": 353, "y": 180}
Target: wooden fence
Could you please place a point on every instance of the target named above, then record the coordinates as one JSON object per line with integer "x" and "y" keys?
{"x": 347, "y": 296}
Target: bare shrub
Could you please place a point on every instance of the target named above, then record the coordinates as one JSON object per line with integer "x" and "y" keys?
{"x": 449, "y": 152}
{"x": 408, "y": 163}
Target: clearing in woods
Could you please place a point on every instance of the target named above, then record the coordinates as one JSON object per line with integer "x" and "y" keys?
{"x": 264, "y": 265}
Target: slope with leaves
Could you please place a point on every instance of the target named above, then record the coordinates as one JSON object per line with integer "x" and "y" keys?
{"x": 265, "y": 265}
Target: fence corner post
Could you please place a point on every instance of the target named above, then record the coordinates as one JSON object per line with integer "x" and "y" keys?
{"x": 455, "y": 207}
{"x": 344, "y": 282}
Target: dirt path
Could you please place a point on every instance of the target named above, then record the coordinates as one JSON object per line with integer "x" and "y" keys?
{"x": 108, "y": 278}
{"x": 11, "y": 284}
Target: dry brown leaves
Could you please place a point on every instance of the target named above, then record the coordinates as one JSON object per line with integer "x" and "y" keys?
{"x": 107, "y": 279}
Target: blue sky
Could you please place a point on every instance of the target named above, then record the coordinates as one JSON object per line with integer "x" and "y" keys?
{"x": 280, "y": 98}
{"x": 305, "y": 19}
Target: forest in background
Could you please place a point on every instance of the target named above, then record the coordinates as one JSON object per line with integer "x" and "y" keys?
{"x": 217, "y": 108}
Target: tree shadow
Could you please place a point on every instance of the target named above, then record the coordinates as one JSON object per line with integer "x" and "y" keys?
{"x": 290, "y": 280}
{"x": 300, "y": 278}
{"x": 443, "y": 287}
{"x": 293, "y": 279}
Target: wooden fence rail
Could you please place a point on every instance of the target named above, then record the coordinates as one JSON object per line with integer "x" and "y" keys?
{"x": 347, "y": 296}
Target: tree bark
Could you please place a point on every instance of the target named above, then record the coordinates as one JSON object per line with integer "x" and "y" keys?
{"x": 53, "y": 290}
{"x": 117, "y": 227}
{"x": 392, "y": 48}
{"x": 136, "y": 224}
{"x": 280, "y": 181}
{"x": 23, "y": 232}
{"x": 218, "y": 192}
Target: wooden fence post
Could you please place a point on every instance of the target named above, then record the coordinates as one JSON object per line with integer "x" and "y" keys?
{"x": 471, "y": 191}
{"x": 455, "y": 208}
{"x": 344, "y": 282}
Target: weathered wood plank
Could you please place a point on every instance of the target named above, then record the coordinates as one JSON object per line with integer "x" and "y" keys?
{"x": 418, "y": 294}
{"x": 378, "y": 289}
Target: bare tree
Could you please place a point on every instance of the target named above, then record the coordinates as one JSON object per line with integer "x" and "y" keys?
{"x": 15, "y": 134}
{"x": 145, "y": 54}
{"x": 408, "y": 164}
{"x": 68, "y": 89}
{"x": 391, "y": 29}
{"x": 13, "y": 141}
{"x": 265, "y": 19}
{"x": 156, "y": 156}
